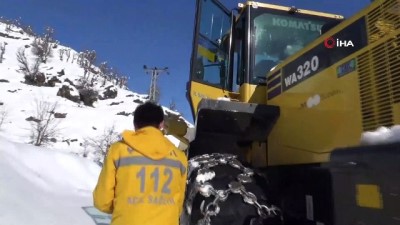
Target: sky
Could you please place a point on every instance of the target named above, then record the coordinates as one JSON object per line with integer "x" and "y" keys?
{"x": 130, "y": 34}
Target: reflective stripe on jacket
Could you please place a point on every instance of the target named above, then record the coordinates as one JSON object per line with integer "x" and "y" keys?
{"x": 143, "y": 180}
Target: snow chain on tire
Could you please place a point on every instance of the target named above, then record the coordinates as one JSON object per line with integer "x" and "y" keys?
{"x": 202, "y": 165}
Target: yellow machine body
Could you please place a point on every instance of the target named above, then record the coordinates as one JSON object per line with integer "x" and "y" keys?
{"x": 291, "y": 92}
{"x": 331, "y": 107}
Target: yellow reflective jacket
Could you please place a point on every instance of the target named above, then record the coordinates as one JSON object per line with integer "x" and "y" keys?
{"x": 143, "y": 180}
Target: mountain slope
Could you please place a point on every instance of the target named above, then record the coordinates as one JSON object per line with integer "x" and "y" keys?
{"x": 85, "y": 118}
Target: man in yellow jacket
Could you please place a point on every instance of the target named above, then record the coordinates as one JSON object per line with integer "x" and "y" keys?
{"x": 143, "y": 178}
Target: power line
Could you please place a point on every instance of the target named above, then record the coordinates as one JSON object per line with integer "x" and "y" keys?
{"x": 154, "y": 73}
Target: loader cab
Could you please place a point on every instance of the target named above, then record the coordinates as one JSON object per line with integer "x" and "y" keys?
{"x": 233, "y": 51}
{"x": 277, "y": 34}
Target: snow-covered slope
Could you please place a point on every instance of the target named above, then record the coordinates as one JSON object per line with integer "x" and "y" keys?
{"x": 81, "y": 121}
{"x": 44, "y": 187}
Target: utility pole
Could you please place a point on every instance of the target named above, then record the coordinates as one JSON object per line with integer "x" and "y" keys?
{"x": 154, "y": 73}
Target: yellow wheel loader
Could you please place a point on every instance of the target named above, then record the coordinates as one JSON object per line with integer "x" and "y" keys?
{"x": 289, "y": 92}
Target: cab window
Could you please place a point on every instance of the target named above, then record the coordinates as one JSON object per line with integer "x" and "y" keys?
{"x": 278, "y": 35}
{"x": 210, "y": 62}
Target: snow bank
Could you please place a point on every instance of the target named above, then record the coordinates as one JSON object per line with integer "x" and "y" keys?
{"x": 381, "y": 135}
{"x": 224, "y": 99}
{"x": 40, "y": 186}
{"x": 49, "y": 169}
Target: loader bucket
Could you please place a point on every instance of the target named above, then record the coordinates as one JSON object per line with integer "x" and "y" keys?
{"x": 177, "y": 127}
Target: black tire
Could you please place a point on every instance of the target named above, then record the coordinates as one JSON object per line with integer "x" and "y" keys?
{"x": 233, "y": 211}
